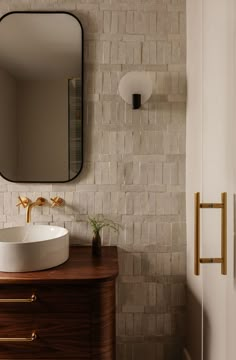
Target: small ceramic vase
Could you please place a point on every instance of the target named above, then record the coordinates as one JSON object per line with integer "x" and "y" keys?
{"x": 97, "y": 245}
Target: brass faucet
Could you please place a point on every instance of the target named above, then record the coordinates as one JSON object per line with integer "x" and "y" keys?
{"x": 40, "y": 201}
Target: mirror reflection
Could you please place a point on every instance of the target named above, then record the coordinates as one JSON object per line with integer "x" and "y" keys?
{"x": 40, "y": 97}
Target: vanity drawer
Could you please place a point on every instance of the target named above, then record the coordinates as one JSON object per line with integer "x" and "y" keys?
{"x": 58, "y": 336}
{"x": 73, "y": 316}
{"x": 55, "y": 299}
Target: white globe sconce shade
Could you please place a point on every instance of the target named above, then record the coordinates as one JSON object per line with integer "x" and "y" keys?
{"x": 135, "y": 88}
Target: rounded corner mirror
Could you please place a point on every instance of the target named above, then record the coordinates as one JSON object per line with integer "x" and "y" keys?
{"x": 41, "y": 96}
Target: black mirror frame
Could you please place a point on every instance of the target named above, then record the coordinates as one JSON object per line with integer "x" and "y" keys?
{"x": 82, "y": 94}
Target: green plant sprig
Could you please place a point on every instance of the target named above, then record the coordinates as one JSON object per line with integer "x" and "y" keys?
{"x": 97, "y": 224}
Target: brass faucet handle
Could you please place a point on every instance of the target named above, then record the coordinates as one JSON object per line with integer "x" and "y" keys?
{"x": 40, "y": 201}
{"x": 24, "y": 201}
{"x": 57, "y": 201}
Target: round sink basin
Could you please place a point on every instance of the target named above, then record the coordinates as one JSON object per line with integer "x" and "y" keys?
{"x": 33, "y": 247}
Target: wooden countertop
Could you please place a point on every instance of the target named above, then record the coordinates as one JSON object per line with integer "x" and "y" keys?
{"x": 80, "y": 268}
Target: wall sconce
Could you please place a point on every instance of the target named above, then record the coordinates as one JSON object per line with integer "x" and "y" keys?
{"x": 135, "y": 88}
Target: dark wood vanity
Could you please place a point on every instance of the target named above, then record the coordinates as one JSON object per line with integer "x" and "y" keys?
{"x": 71, "y": 313}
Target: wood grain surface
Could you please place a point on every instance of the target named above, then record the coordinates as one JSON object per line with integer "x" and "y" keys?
{"x": 81, "y": 267}
{"x": 74, "y": 314}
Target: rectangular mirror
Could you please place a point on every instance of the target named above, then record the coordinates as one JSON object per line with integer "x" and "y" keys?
{"x": 41, "y": 96}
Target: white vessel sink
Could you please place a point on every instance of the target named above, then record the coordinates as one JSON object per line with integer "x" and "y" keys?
{"x": 33, "y": 247}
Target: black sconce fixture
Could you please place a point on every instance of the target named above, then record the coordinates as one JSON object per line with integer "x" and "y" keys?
{"x": 136, "y": 101}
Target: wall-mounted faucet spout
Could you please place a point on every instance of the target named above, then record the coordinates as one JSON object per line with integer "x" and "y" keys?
{"x": 40, "y": 201}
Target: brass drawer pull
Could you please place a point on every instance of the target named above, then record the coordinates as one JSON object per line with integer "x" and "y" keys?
{"x": 33, "y": 298}
{"x": 223, "y": 259}
{"x": 29, "y": 339}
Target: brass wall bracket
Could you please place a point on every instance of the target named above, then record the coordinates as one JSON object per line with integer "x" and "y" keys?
{"x": 223, "y": 259}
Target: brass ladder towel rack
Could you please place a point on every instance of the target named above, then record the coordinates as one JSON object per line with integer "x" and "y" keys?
{"x": 223, "y": 259}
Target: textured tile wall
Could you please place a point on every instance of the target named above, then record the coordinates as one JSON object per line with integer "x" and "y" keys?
{"x": 134, "y": 169}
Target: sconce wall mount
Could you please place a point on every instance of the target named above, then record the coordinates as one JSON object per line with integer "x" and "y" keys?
{"x": 135, "y": 88}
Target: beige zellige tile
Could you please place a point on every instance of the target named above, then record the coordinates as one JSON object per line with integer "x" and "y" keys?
{"x": 163, "y": 264}
{"x": 178, "y": 295}
{"x": 107, "y": 21}
{"x": 178, "y": 263}
{"x": 137, "y": 264}
{"x": 69, "y": 202}
{"x": 173, "y": 21}
{"x": 106, "y": 52}
{"x": 128, "y": 173}
{"x": 126, "y": 264}
{"x": 153, "y": 52}
{"x": 178, "y": 236}
{"x": 134, "y": 165}
{"x": 182, "y": 22}
{"x": 149, "y": 324}
{"x": 153, "y": 22}
{"x": 146, "y": 53}
{"x": 137, "y": 323}
{"x": 129, "y": 52}
{"x": 152, "y": 293}
{"x": 149, "y": 263}
{"x": 130, "y": 22}
{"x": 143, "y": 350}
{"x": 1, "y": 203}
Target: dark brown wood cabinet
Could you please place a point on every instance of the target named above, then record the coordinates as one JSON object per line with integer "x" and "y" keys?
{"x": 73, "y": 316}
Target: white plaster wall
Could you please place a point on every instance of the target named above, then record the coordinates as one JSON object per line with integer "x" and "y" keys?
{"x": 209, "y": 169}
{"x": 193, "y": 171}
